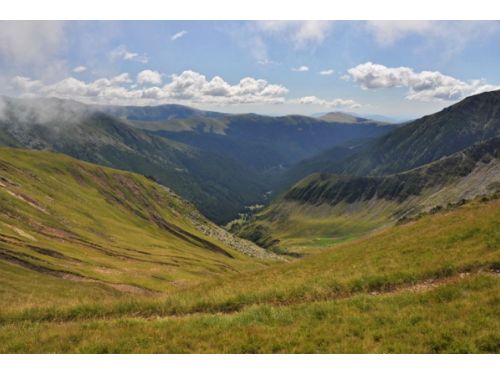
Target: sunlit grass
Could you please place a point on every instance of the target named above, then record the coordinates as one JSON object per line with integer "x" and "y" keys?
{"x": 427, "y": 286}
{"x": 100, "y": 224}
{"x": 457, "y": 318}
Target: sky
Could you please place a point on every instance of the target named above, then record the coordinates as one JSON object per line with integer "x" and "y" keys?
{"x": 401, "y": 69}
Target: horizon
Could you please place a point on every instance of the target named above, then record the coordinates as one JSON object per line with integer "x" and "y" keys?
{"x": 373, "y": 116}
{"x": 313, "y": 115}
{"x": 397, "y": 69}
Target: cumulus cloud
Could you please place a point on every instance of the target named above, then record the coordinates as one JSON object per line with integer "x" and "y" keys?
{"x": 301, "y": 68}
{"x": 187, "y": 87}
{"x": 121, "y": 78}
{"x": 335, "y": 103}
{"x": 178, "y": 35}
{"x": 25, "y": 84}
{"x": 424, "y": 85}
{"x": 79, "y": 69}
{"x": 327, "y": 72}
{"x": 122, "y": 53}
{"x": 195, "y": 86}
{"x": 149, "y": 77}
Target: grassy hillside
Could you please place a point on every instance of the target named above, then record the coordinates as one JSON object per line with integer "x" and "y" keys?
{"x": 323, "y": 208}
{"x": 428, "y": 286}
{"x": 474, "y": 119}
{"x": 71, "y": 231}
{"x": 218, "y": 186}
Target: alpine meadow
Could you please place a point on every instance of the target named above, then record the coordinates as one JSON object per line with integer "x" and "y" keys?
{"x": 249, "y": 187}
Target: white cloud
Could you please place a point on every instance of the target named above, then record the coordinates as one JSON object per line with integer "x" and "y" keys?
{"x": 335, "y": 103}
{"x": 25, "y": 84}
{"x": 254, "y": 36}
{"x": 189, "y": 87}
{"x": 121, "y": 53}
{"x": 121, "y": 78}
{"x": 424, "y": 85}
{"x": 178, "y": 35}
{"x": 301, "y": 68}
{"x": 448, "y": 37}
{"x": 301, "y": 33}
{"x": 149, "y": 77}
{"x": 195, "y": 86}
{"x": 79, "y": 69}
{"x": 266, "y": 61}
{"x": 30, "y": 42}
{"x": 327, "y": 72}
{"x": 386, "y": 33}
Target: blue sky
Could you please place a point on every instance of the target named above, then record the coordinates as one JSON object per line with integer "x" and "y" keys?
{"x": 393, "y": 68}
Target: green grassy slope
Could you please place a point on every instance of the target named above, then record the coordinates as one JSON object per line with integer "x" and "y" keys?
{"x": 427, "y": 286}
{"x": 323, "y": 209}
{"x": 71, "y": 231}
{"x": 474, "y": 119}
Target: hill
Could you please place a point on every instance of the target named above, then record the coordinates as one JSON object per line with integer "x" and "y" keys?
{"x": 73, "y": 231}
{"x": 325, "y": 208}
{"x": 218, "y": 186}
{"x": 407, "y": 146}
{"x": 429, "y": 286}
{"x": 474, "y": 119}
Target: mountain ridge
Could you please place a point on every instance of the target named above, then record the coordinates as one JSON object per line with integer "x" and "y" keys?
{"x": 474, "y": 119}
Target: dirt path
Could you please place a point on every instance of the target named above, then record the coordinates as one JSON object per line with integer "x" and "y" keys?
{"x": 420, "y": 287}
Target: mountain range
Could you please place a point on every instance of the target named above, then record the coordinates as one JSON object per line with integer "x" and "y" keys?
{"x": 214, "y": 160}
{"x": 262, "y": 143}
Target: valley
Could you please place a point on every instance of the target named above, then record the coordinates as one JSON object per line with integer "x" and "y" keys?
{"x": 127, "y": 229}
{"x": 326, "y": 208}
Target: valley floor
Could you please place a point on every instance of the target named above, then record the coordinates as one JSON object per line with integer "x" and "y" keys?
{"x": 427, "y": 286}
